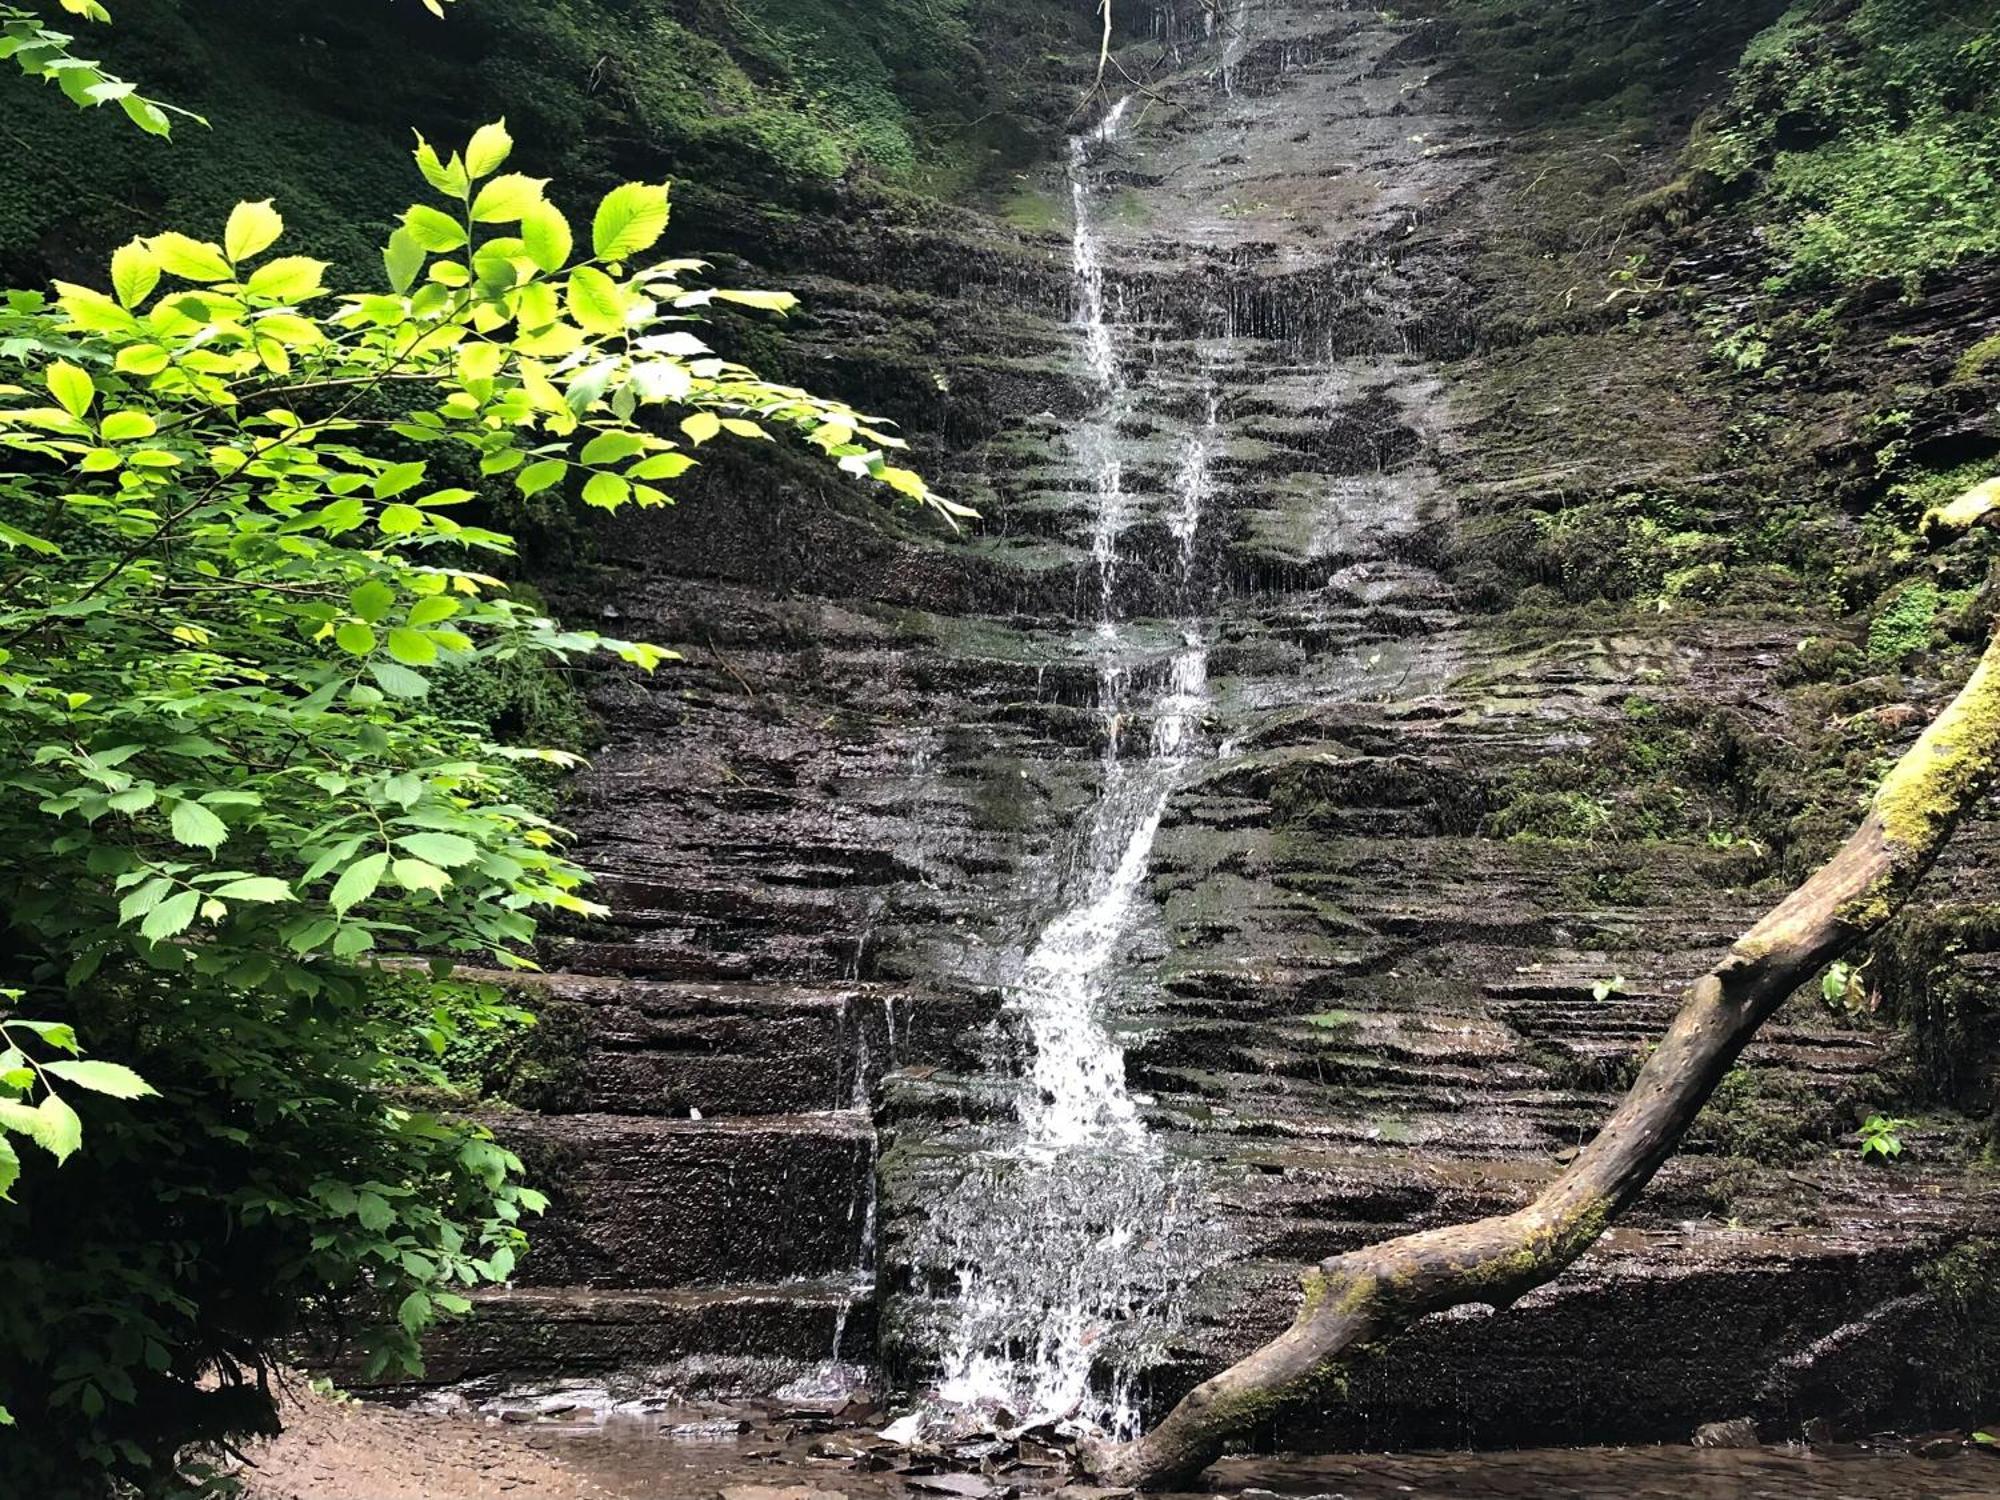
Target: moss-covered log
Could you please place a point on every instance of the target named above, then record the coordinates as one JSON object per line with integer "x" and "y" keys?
{"x": 1355, "y": 1299}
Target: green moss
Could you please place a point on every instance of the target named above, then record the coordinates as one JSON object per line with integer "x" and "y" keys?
{"x": 1905, "y": 622}
{"x": 1561, "y": 61}
{"x": 1930, "y": 970}
{"x": 1930, "y": 786}
{"x": 1976, "y": 361}
{"x": 1034, "y": 211}
{"x": 1964, "y": 1360}
{"x": 1772, "y": 1117}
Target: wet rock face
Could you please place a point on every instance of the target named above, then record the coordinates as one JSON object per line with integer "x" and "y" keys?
{"x": 830, "y": 834}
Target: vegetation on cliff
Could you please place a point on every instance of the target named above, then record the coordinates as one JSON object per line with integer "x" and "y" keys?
{"x": 766, "y": 102}
{"x": 245, "y": 843}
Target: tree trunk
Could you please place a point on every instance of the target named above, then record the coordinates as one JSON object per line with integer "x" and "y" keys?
{"x": 1365, "y": 1295}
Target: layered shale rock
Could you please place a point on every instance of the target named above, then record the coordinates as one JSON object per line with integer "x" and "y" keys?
{"x": 1353, "y": 1006}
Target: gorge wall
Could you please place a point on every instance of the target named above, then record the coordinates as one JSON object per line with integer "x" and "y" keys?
{"x": 1438, "y": 839}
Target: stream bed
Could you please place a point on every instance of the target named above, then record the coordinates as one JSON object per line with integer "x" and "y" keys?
{"x": 634, "y": 1459}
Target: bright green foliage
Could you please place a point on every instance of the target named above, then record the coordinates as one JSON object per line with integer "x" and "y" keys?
{"x": 234, "y": 562}
{"x": 42, "y": 52}
{"x": 1906, "y": 622}
{"x": 1881, "y": 1137}
{"x": 768, "y": 102}
{"x": 32, "y": 1104}
{"x": 1873, "y": 131}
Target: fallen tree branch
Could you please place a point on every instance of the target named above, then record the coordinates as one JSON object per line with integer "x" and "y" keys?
{"x": 1357, "y": 1298}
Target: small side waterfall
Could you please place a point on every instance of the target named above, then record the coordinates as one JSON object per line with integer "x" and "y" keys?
{"x": 1075, "y": 1226}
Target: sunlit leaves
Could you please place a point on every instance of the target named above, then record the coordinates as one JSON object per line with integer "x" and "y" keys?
{"x": 358, "y": 882}
{"x": 539, "y": 476}
{"x": 197, "y": 827}
{"x": 42, "y": 52}
{"x": 72, "y": 387}
{"x": 252, "y": 229}
{"x": 134, "y": 273}
{"x": 433, "y": 230}
{"x": 488, "y": 148}
{"x": 507, "y": 198}
{"x": 768, "y": 301}
{"x": 449, "y": 178}
{"x": 596, "y": 302}
{"x": 403, "y": 257}
{"x": 188, "y": 258}
{"x": 631, "y": 218}
{"x": 289, "y": 278}
{"x": 242, "y": 555}
{"x": 114, "y": 1079}
{"x": 545, "y": 235}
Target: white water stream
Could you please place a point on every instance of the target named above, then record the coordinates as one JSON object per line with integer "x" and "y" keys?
{"x": 1082, "y": 1217}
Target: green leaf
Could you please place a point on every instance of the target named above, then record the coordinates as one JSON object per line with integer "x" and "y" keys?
{"x": 546, "y": 235}
{"x": 134, "y": 273}
{"x": 415, "y": 1312}
{"x": 606, "y": 491}
{"x": 140, "y": 359}
{"x": 289, "y": 278}
{"x": 596, "y": 301}
{"x": 58, "y": 1034}
{"x": 629, "y": 219}
{"x": 10, "y": 1173}
{"x": 197, "y": 827}
{"x": 488, "y": 148}
{"x": 374, "y": 1211}
{"x": 114, "y": 1079}
{"x": 147, "y": 115}
{"x": 403, "y": 257}
{"x": 507, "y": 198}
{"x": 144, "y": 898}
{"x": 189, "y": 259}
{"x": 61, "y": 1132}
{"x": 171, "y": 917}
{"x": 610, "y": 447}
{"x": 449, "y": 178}
{"x": 355, "y": 638}
{"x": 412, "y": 647}
{"x": 432, "y": 229}
{"x": 701, "y": 426}
{"x": 372, "y": 600}
{"x": 540, "y": 475}
{"x": 127, "y": 426}
{"x": 357, "y": 882}
{"x": 661, "y": 466}
{"x": 398, "y": 681}
{"x": 74, "y": 389}
{"x": 252, "y": 229}
{"x": 430, "y": 611}
{"x": 397, "y": 478}
{"x": 419, "y": 875}
{"x": 253, "y": 888}
{"x": 446, "y": 849}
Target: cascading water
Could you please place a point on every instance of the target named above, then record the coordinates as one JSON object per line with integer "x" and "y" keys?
{"x": 1046, "y": 1325}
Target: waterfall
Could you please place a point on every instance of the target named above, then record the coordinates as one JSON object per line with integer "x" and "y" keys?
{"x": 1075, "y": 1226}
